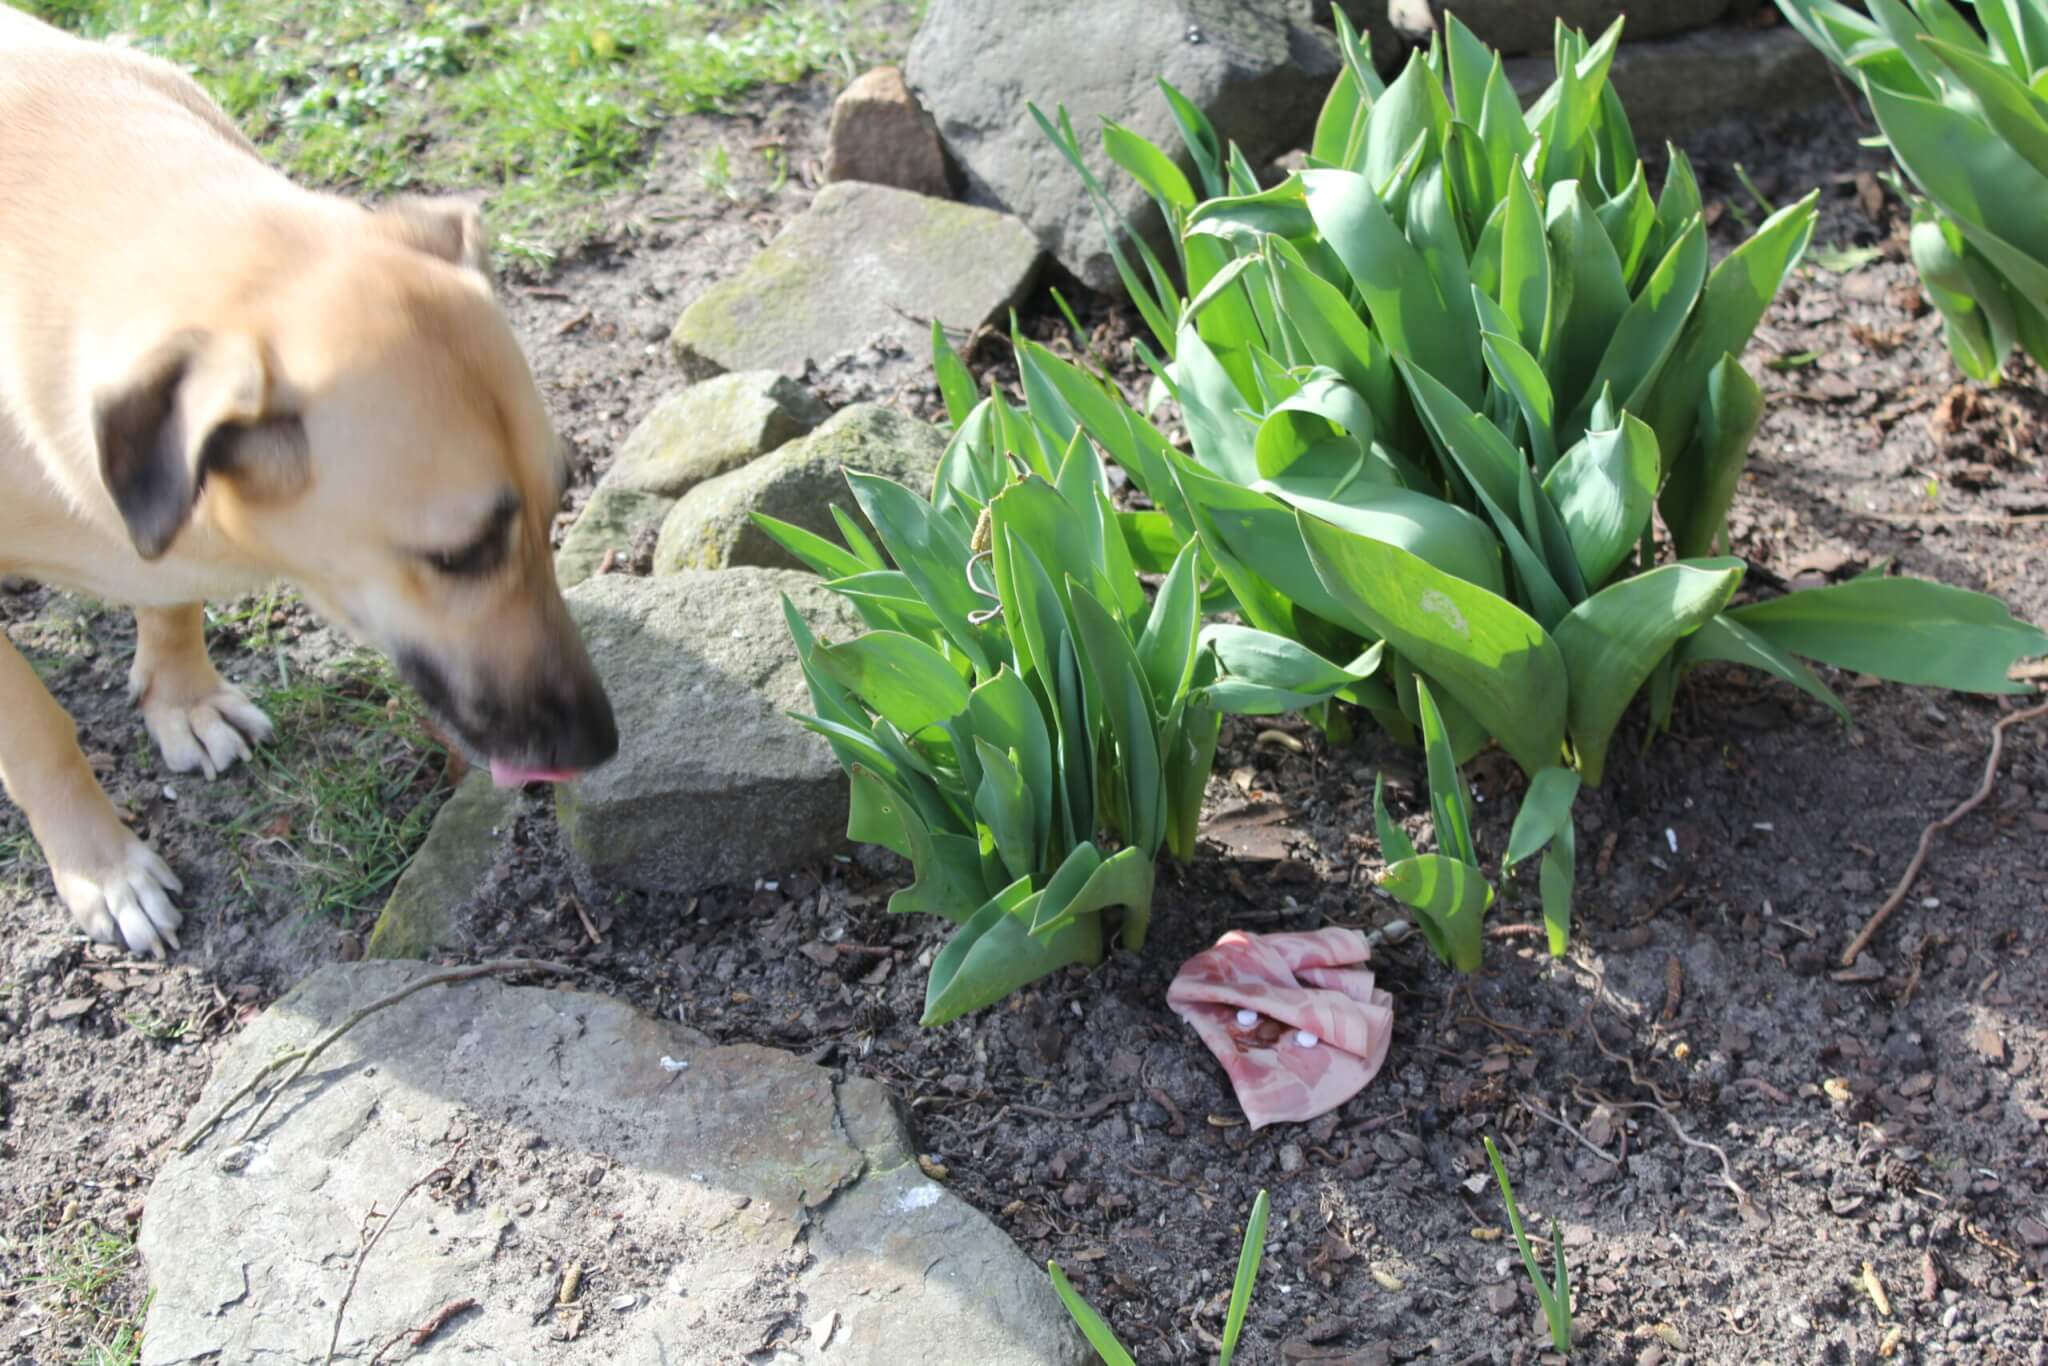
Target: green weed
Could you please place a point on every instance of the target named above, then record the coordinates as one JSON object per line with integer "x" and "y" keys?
{"x": 343, "y": 796}
{"x": 83, "y": 1267}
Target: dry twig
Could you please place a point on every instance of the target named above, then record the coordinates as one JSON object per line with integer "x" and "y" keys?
{"x": 334, "y": 1339}
{"x": 1975, "y": 799}
{"x": 421, "y": 1335}
{"x": 303, "y": 1057}
{"x": 1561, "y": 1122}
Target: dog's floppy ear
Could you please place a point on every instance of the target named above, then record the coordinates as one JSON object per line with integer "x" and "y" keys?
{"x": 194, "y": 406}
{"x": 447, "y": 226}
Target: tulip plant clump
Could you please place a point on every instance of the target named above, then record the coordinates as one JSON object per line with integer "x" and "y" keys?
{"x": 1017, "y": 697}
{"x": 1442, "y": 386}
{"x": 1966, "y": 117}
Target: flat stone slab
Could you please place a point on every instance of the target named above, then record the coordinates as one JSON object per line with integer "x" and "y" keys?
{"x": 713, "y": 783}
{"x": 722, "y": 1204}
{"x": 710, "y": 527}
{"x": 863, "y": 263}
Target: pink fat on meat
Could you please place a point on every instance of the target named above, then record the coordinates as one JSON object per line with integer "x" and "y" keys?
{"x": 1295, "y": 983}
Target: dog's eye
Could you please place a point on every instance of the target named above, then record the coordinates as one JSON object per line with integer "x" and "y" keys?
{"x": 471, "y": 561}
{"x": 483, "y": 554}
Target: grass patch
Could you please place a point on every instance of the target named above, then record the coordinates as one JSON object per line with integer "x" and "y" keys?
{"x": 547, "y": 107}
{"x": 343, "y": 795}
{"x": 84, "y": 1266}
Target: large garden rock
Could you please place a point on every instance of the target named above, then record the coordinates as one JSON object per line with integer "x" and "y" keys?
{"x": 800, "y": 483}
{"x": 721, "y": 1203}
{"x": 863, "y": 263}
{"x": 709, "y": 428}
{"x": 613, "y": 522}
{"x": 1676, "y": 85}
{"x": 1256, "y": 67}
{"x": 1514, "y": 27}
{"x": 881, "y": 134}
{"x": 713, "y": 782}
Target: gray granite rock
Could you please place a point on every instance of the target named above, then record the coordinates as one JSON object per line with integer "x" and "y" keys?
{"x": 1515, "y": 27}
{"x": 865, "y": 263}
{"x": 613, "y": 522}
{"x": 713, "y": 783}
{"x": 1257, "y": 68}
{"x": 720, "y": 1203}
{"x": 709, "y": 528}
{"x": 1677, "y": 85}
{"x": 710, "y": 428}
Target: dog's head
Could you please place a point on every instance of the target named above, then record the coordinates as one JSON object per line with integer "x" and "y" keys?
{"x": 367, "y": 428}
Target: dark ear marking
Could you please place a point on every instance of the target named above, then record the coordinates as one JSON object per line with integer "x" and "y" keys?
{"x": 194, "y": 406}
{"x": 447, "y": 226}
{"x": 141, "y": 442}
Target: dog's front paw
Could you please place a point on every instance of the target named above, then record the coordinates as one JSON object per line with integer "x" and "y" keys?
{"x": 207, "y": 732}
{"x": 119, "y": 890}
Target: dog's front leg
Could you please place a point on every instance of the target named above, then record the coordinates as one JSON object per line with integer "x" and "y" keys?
{"x": 198, "y": 719}
{"x": 114, "y": 884}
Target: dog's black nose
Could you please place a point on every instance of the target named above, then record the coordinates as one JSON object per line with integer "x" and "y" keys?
{"x": 591, "y": 736}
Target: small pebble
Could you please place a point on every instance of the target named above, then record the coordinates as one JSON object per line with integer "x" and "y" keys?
{"x": 1247, "y": 1018}
{"x": 1306, "y": 1039}
{"x": 1671, "y": 838}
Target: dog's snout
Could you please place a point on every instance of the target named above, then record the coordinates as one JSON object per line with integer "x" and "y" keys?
{"x": 561, "y": 722}
{"x": 590, "y": 735}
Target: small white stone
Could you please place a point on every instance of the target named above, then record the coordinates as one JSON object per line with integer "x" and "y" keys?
{"x": 1671, "y": 838}
{"x": 1247, "y": 1018}
{"x": 1306, "y": 1039}
{"x": 669, "y": 1064}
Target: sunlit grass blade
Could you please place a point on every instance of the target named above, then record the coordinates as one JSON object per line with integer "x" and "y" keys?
{"x": 1092, "y": 1325}
{"x": 1248, "y": 1259}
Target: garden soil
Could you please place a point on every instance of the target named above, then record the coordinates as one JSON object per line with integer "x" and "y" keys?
{"x": 1753, "y": 1153}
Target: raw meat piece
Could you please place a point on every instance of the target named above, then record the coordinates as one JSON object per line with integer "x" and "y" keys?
{"x": 1320, "y": 1030}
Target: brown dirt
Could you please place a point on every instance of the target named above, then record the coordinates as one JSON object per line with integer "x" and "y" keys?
{"x": 1749, "y": 1125}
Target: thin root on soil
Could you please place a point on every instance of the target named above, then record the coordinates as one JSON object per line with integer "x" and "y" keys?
{"x": 1971, "y": 803}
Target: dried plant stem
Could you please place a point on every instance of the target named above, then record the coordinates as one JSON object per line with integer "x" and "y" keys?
{"x": 1975, "y": 799}
{"x": 1561, "y": 1122}
{"x": 334, "y": 1338}
{"x": 303, "y": 1057}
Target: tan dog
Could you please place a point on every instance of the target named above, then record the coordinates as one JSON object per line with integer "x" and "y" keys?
{"x": 211, "y": 379}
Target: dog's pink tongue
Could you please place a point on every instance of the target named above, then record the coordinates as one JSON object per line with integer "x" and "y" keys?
{"x": 512, "y": 775}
